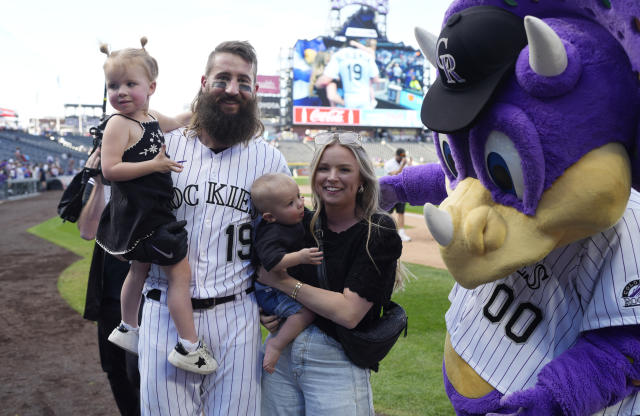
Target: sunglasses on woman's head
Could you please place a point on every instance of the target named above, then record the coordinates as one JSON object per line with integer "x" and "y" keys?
{"x": 343, "y": 137}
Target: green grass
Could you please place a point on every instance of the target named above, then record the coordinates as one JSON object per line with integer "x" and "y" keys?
{"x": 302, "y": 180}
{"x": 410, "y": 378}
{"x": 72, "y": 283}
{"x": 416, "y": 209}
{"x": 409, "y": 382}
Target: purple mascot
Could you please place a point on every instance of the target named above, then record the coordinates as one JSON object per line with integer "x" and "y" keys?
{"x": 535, "y": 203}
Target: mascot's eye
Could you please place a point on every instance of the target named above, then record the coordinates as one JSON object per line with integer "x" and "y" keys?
{"x": 499, "y": 172}
{"x": 448, "y": 156}
{"x": 503, "y": 164}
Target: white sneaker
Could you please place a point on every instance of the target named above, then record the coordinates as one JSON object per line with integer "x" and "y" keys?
{"x": 403, "y": 235}
{"x": 199, "y": 361}
{"x": 125, "y": 339}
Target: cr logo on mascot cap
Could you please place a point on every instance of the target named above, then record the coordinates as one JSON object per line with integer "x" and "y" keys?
{"x": 475, "y": 49}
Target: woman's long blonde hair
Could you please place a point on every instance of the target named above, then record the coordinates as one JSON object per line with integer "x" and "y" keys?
{"x": 367, "y": 201}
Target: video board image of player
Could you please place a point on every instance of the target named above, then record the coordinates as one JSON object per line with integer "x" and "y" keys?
{"x": 354, "y": 66}
{"x": 361, "y": 73}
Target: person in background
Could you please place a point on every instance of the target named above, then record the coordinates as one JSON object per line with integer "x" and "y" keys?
{"x": 42, "y": 177}
{"x": 394, "y": 166}
{"x": 102, "y": 304}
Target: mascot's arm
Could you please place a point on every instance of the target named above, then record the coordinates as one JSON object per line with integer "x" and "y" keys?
{"x": 416, "y": 185}
{"x": 602, "y": 368}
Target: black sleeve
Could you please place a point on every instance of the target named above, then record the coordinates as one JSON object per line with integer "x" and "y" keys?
{"x": 374, "y": 281}
{"x": 269, "y": 249}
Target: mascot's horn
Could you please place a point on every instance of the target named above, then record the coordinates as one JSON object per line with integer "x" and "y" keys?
{"x": 427, "y": 43}
{"x": 439, "y": 223}
{"x": 547, "y": 55}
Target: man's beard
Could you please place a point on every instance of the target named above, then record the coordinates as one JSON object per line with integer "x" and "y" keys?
{"x": 227, "y": 129}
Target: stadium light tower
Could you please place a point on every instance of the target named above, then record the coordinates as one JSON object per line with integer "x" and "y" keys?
{"x": 286, "y": 77}
{"x": 379, "y": 7}
{"x": 381, "y": 24}
{"x": 79, "y": 117}
{"x": 334, "y": 17}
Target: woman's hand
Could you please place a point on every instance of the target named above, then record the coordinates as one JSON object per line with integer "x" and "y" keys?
{"x": 93, "y": 161}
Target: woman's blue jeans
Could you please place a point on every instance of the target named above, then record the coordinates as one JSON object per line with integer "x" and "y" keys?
{"x": 314, "y": 377}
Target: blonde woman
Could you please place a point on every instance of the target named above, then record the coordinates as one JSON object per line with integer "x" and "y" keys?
{"x": 361, "y": 249}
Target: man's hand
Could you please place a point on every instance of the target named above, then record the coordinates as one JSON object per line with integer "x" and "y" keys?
{"x": 270, "y": 322}
{"x": 168, "y": 238}
{"x": 171, "y": 235}
{"x": 310, "y": 256}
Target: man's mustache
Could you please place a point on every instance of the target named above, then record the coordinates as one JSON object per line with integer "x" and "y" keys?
{"x": 229, "y": 98}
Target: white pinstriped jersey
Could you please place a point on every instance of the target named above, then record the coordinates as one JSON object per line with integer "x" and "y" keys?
{"x": 509, "y": 329}
{"x": 213, "y": 194}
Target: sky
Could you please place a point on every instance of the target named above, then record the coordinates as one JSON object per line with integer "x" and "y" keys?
{"x": 50, "y": 49}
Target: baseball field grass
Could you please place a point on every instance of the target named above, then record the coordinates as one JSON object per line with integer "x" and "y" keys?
{"x": 409, "y": 382}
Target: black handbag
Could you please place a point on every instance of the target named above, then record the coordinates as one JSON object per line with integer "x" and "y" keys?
{"x": 366, "y": 348}
{"x": 70, "y": 204}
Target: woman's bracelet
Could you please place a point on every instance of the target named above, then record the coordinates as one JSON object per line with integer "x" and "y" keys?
{"x": 296, "y": 289}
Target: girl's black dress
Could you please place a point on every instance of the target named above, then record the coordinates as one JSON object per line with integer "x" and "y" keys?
{"x": 139, "y": 206}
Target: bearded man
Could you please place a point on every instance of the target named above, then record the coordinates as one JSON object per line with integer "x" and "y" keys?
{"x": 222, "y": 155}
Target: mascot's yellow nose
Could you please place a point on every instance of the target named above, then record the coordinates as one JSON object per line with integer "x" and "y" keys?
{"x": 484, "y": 230}
{"x": 469, "y": 219}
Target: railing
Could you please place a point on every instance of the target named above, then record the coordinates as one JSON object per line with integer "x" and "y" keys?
{"x": 17, "y": 188}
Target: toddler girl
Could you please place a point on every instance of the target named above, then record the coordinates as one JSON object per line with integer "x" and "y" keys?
{"x": 134, "y": 223}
